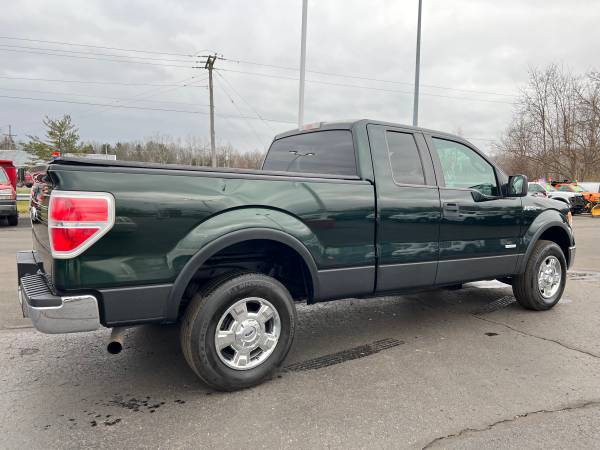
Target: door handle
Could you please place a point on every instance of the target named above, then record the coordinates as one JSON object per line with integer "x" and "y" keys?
{"x": 451, "y": 210}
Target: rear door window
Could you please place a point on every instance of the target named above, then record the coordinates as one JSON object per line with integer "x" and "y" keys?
{"x": 322, "y": 152}
{"x": 407, "y": 167}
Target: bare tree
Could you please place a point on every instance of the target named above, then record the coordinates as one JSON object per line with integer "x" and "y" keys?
{"x": 191, "y": 151}
{"x": 556, "y": 127}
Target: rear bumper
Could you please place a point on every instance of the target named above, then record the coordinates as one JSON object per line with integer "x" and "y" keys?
{"x": 8, "y": 208}
{"x": 49, "y": 312}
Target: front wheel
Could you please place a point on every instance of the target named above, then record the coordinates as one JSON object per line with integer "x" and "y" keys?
{"x": 542, "y": 284}
{"x": 238, "y": 331}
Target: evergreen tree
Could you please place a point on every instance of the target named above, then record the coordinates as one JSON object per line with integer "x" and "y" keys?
{"x": 61, "y": 136}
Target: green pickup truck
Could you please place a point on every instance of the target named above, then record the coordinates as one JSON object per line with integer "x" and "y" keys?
{"x": 349, "y": 209}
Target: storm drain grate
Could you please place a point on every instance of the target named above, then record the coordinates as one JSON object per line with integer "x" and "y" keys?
{"x": 583, "y": 276}
{"x": 502, "y": 302}
{"x": 345, "y": 355}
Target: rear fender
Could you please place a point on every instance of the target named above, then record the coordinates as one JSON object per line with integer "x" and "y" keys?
{"x": 232, "y": 227}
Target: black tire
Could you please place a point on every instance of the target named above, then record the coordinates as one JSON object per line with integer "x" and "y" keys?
{"x": 525, "y": 286}
{"x": 13, "y": 221}
{"x": 203, "y": 314}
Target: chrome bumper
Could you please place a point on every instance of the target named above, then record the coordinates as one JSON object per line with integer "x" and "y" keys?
{"x": 69, "y": 314}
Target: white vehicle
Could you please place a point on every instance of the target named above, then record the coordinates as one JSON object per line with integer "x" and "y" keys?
{"x": 589, "y": 186}
{"x": 575, "y": 200}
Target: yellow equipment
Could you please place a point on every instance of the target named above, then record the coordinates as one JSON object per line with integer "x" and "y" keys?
{"x": 596, "y": 210}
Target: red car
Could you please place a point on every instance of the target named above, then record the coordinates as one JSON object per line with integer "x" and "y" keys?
{"x": 8, "y": 193}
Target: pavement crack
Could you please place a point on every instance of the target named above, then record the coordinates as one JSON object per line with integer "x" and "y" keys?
{"x": 512, "y": 419}
{"x": 585, "y": 352}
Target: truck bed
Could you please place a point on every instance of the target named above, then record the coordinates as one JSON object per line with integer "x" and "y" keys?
{"x": 115, "y": 166}
{"x": 159, "y": 209}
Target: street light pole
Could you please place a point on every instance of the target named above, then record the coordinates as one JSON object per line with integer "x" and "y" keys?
{"x": 302, "y": 65}
{"x": 417, "y": 69}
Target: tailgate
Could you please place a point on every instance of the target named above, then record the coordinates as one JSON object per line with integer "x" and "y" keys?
{"x": 40, "y": 197}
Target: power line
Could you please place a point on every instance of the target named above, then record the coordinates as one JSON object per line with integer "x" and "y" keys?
{"x": 369, "y": 87}
{"x": 94, "y": 58}
{"x": 231, "y": 116}
{"x": 242, "y": 61}
{"x": 98, "y": 54}
{"x": 116, "y": 83}
{"x": 136, "y": 98}
{"x": 258, "y": 138}
{"x": 97, "y": 46}
{"x": 365, "y": 78}
{"x": 77, "y": 94}
{"x": 245, "y": 101}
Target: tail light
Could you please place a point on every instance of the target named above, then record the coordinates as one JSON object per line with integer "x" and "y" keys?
{"x": 8, "y": 194}
{"x": 76, "y": 220}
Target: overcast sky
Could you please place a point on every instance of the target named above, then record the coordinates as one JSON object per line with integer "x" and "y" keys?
{"x": 475, "y": 57}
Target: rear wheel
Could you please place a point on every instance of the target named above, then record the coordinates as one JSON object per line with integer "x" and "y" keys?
{"x": 13, "y": 221}
{"x": 541, "y": 286}
{"x": 238, "y": 331}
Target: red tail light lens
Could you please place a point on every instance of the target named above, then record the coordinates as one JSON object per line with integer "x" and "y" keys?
{"x": 73, "y": 209}
{"x": 76, "y": 220}
{"x": 68, "y": 239}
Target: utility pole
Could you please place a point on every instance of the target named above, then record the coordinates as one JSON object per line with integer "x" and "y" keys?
{"x": 210, "y": 62}
{"x": 417, "y": 69}
{"x": 11, "y": 142}
{"x": 302, "y": 65}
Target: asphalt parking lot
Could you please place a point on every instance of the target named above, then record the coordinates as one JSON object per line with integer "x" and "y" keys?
{"x": 441, "y": 369}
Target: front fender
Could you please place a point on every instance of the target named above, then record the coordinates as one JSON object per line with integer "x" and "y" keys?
{"x": 544, "y": 221}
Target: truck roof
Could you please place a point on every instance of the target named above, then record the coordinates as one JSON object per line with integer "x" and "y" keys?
{"x": 349, "y": 124}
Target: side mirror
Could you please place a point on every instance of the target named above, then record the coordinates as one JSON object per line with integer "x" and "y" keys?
{"x": 517, "y": 186}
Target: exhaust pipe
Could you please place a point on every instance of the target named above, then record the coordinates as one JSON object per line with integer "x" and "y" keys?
{"x": 115, "y": 343}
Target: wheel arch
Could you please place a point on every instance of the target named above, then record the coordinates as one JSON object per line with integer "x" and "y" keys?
{"x": 555, "y": 231}
{"x": 223, "y": 242}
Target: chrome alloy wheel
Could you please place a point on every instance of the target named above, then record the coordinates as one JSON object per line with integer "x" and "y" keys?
{"x": 549, "y": 276}
{"x": 247, "y": 333}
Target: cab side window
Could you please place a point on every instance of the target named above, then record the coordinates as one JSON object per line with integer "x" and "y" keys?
{"x": 404, "y": 158}
{"x": 464, "y": 168}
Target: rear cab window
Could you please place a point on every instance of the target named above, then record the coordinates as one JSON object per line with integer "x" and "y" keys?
{"x": 329, "y": 152}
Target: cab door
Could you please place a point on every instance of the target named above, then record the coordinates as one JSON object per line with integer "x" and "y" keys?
{"x": 408, "y": 208}
{"x": 479, "y": 228}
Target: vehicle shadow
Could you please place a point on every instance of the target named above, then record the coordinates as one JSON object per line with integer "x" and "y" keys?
{"x": 152, "y": 364}
{"x": 323, "y": 329}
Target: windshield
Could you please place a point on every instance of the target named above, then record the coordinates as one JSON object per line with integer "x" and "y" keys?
{"x": 3, "y": 176}
{"x": 577, "y": 188}
{"x": 550, "y": 188}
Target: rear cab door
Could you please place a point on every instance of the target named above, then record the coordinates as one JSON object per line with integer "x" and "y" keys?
{"x": 408, "y": 208}
{"x": 480, "y": 227}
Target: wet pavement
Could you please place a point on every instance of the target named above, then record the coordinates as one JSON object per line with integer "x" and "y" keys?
{"x": 440, "y": 369}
